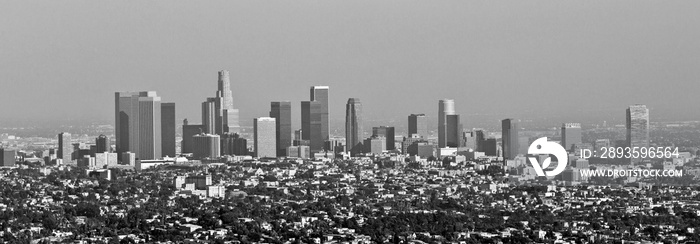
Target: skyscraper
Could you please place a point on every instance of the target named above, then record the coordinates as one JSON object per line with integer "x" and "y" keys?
{"x": 418, "y": 124}
{"x": 149, "y": 138}
{"x": 65, "y": 147}
{"x": 209, "y": 115}
{"x": 469, "y": 139}
{"x": 265, "y": 133}
{"x": 233, "y": 144}
{"x": 510, "y": 137}
{"x": 570, "y": 135}
{"x": 229, "y": 115}
{"x": 480, "y": 137}
{"x": 445, "y": 107}
{"x": 637, "y": 127}
{"x": 320, "y": 94}
{"x": 353, "y": 126}
{"x": 188, "y": 131}
{"x": 206, "y": 146}
{"x": 218, "y": 114}
{"x": 388, "y": 133}
{"x": 282, "y": 112}
{"x": 167, "y": 118}
{"x": 7, "y": 157}
{"x": 224, "y": 89}
{"x": 102, "y": 144}
{"x": 138, "y": 123}
{"x": 375, "y": 145}
{"x": 122, "y": 110}
{"x": 311, "y": 124}
{"x": 453, "y": 131}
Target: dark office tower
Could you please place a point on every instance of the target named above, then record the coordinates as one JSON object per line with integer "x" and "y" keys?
{"x": 209, "y": 116}
{"x": 510, "y": 137}
{"x": 188, "y": 131}
{"x": 418, "y": 124}
{"x": 123, "y": 106}
{"x": 65, "y": 147}
{"x": 388, "y": 133}
{"x": 311, "y": 125}
{"x": 233, "y": 144}
{"x": 282, "y": 112}
{"x": 353, "y": 126}
{"x": 7, "y": 157}
{"x": 453, "y": 131}
{"x": 320, "y": 94}
{"x": 167, "y": 119}
{"x": 102, "y": 144}
{"x": 138, "y": 123}
{"x": 637, "y": 127}
{"x": 570, "y": 135}
{"x": 480, "y": 135}
{"x": 490, "y": 147}
{"x": 206, "y": 146}
{"x": 445, "y": 107}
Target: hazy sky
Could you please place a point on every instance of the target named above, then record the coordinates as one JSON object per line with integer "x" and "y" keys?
{"x": 65, "y": 59}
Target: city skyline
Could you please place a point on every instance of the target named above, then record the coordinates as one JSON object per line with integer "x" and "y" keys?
{"x": 307, "y": 121}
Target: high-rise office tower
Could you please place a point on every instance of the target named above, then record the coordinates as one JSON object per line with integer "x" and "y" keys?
{"x": 224, "y": 88}
{"x": 229, "y": 115}
{"x": 65, "y": 147}
{"x": 167, "y": 119}
{"x": 209, "y": 115}
{"x": 206, "y": 146}
{"x": 510, "y": 137}
{"x": 282, "y": 112}
{"x": 188, "y": 131}
{"x": 233, "y": 144}
{"x": 469, "y": 139}
{"x": 265, "y": 133}
{"x": 7, "y": 157}
{"x": 218, "y": 114}
{"x": 445, "y": 107}
{"x": 320, "y": 94}
{"x": 453, "y": 131}
{"x": 149, "y": 138}
{"x": 637, "y": 127}
{"x": 570, "y": 135}
{"x": 311, "y": 125}
{"x": 138, "y": 123}
{"x": 388, "y": 133}
{"x": 102, "y": 144}
{"x": 375, "y": 145}
{"x": 230, "y": 121}
{"x": 418, "y": 124}
{"x": 490, "y": 147}
{"x": 480, "y": 137}
{"x": 353, "y": 126}
{"x": 122, "y": 111}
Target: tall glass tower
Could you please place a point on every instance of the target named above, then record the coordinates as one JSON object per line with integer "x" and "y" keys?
{"x": 637, "y": 127}
{"x": 353, "y": 126}
{"x": 445, "y": 107}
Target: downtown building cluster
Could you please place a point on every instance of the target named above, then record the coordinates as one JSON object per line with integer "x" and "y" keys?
{"x": 145, "y": 130}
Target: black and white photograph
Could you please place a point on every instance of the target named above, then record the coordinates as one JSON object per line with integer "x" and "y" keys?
{"x": 353, "y": 121}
